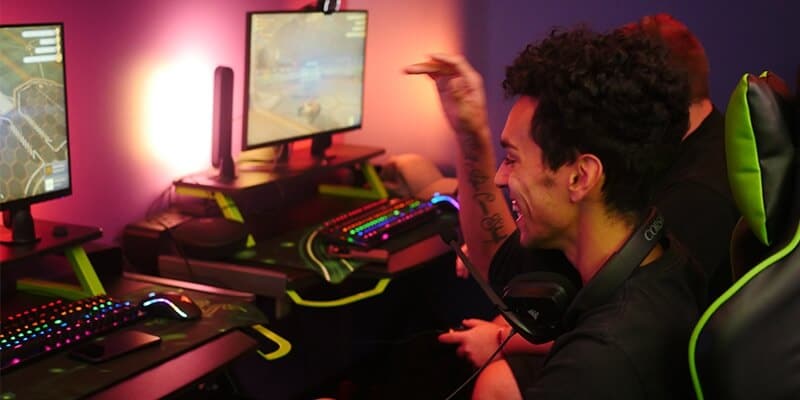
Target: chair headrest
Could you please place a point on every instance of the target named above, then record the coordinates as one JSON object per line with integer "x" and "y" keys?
{"x": 760, "y": 146}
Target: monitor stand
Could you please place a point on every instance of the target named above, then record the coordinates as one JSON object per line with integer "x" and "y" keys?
{"x": 20, "y": 223}
{"x": 263, "y": 161}
{"x": 56, "y": 237}
{"x": 319, "y": 144}
{"x": 285, "y": 159}
{"x": 287, "y": 162}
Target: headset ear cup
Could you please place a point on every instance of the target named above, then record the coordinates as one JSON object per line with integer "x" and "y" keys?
{"x": 539, "y": 301}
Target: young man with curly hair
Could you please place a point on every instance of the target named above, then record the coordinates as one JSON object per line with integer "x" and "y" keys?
{"x": 597, "y": 120}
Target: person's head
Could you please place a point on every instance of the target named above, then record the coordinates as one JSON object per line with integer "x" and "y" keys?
{"x": 686, "y": 51}
{"x": 598, "y": 119}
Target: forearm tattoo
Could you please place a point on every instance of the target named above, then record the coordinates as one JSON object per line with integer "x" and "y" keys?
{"x": 492, "y": 223}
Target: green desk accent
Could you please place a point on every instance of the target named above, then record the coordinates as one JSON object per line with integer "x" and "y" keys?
{"x": 376, "y": 188}
{"x": 378, "y": 289}
{"x": 90, "y": 284}
{"x": 284, "y": 347}
{"x": 225, "y": 203}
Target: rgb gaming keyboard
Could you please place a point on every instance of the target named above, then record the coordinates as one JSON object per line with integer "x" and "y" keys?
{"x": 59, "y": 324}
{"x": 374, "y": 223}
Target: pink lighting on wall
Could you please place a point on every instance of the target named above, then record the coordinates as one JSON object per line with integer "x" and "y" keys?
{"x": 177, "y": 108}
{"x": 140, "y": 86}
{"x": 402, "y": 113}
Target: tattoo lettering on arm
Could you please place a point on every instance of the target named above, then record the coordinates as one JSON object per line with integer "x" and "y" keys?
{"x": 471, "y": 149}
{"x": 494, "y": 225}
{"x": 477, "y": 179}
{"x": 491, "y": 223}
{"x": 483, "y": 199}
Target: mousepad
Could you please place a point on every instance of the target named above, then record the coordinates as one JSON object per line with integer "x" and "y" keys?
{"x": 301, "y": 249}
{"x": 61, "y": 377}
{"x": 305, "y": 249}
{"x": 313, "y": 251}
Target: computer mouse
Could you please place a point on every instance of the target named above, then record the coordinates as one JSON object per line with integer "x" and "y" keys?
{"x": 60, "y": 231}
{"x": 170, "y": 305}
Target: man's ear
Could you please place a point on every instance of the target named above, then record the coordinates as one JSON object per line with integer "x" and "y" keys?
{"x": 586, "y": 178}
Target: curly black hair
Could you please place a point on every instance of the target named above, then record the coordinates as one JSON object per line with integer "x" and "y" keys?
{"x": 613, "y": 95}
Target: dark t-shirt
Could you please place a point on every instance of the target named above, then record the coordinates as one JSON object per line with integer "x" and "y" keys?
{"x": 633, "y": 346}
{"x": 696, "y": 201}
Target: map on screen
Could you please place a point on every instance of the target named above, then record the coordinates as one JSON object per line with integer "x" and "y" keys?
{"x": 34, "y": 157}
{"x": 305, "y": 74}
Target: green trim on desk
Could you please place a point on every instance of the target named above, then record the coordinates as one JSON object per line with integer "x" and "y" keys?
{"x": 284, "y": 347}
{"x": 378, "y": 289}
{"x": 231, "y": 212}
{"x": 195, "y": 192}
{"x": 228, "y": 207}
{"x": 225, "y": 203}
{"x": 376, "y": 188}
{"x": 90, "y": 284}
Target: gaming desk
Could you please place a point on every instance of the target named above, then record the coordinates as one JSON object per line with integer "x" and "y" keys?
{"x": 275, "y": 264}
{"x": 279, "y": 267}
{"x": 188, "y": 352}
{"x": 252, "y": 175}
{"x": 53, "y": 236}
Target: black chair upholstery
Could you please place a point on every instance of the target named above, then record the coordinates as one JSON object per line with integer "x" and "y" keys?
{"x": 747, "y": 343}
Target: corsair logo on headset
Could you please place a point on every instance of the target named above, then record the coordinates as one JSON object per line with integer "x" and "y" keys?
{"x": 618, "y": 267}
{"x": 653, "y": 230}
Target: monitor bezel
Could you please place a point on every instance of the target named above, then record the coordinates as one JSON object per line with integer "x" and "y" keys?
{"x": 25, "y": 202}
{"x": 247, "y": 72}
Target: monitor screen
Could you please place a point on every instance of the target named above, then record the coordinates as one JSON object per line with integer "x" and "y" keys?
{"x": 34, "y": 150}
{"x": 305, "y": 75}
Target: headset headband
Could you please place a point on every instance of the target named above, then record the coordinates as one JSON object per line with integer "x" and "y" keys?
{"x": 618, "y": 267}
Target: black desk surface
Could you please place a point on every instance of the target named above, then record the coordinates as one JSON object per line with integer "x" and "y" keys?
{"x": 49, "y": 242}
{"x": 188, "y": 351}
{"x": 252, "y": 175}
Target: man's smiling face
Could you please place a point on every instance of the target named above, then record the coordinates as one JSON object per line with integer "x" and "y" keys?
{"x": 539, "y": 196}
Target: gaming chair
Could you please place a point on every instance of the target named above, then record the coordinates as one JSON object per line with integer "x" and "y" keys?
{"x": 746, "y": 345}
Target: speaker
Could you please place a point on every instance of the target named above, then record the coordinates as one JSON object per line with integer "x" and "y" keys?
{"x": 143, "y": 241}
{"x": 221, "y": 155}
{"x": 541, "y": 305}
{"x": 210, "y": 238}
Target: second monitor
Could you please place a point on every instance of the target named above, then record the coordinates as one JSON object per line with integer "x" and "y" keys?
{"x": 304, "y": 78}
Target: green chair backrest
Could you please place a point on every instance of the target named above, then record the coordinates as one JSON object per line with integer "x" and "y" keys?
{"x": 745, "y": 345}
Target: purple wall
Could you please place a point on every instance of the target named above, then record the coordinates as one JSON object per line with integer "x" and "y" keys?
{"x": 739, "y": 36}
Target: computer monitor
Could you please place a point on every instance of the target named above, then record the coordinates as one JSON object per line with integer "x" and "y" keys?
{"x": 34, "y": 140}
{"x": 304, "y": 77}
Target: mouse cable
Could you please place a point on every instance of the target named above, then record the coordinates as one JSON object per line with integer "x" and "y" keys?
{"x": 485, "y": 364}
{"x": 186, "y": 261}
{"x": 178, "y": 248}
